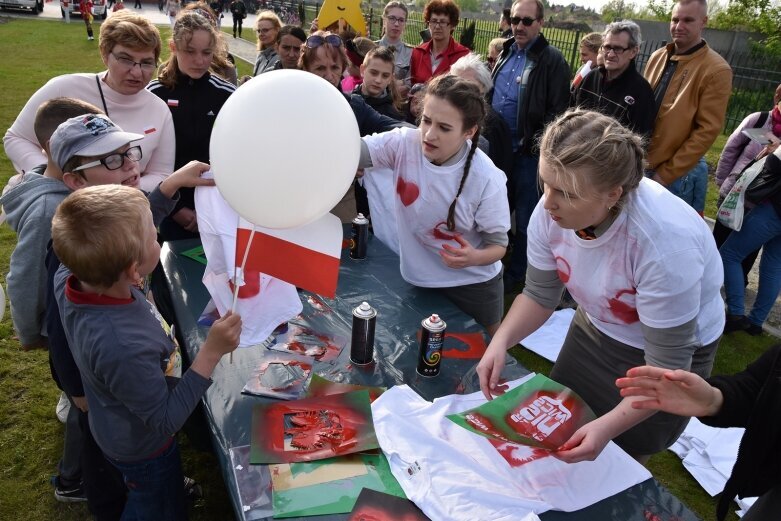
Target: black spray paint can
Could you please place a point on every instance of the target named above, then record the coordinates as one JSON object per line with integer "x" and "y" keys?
{"x": 362, "y": 344}
{"x": 431, "y": 339}
{"x": 359, "y": 236}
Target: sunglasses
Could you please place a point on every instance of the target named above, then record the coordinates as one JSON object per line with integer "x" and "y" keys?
{"x": 315, "y": 41}
{"x": 526, "y": 20}
{"x": 114, "y": 161}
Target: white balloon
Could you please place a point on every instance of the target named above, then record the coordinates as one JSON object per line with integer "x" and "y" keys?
{"x": 284, "y": 149}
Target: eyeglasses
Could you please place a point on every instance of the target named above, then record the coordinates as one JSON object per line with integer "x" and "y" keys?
{"x": 315, "y": 41}
{"x": 439, "y": 23}
{"x": 263, "y": 30}
{"x": 114, "y": 161}
{"x": 618, "y": 51}
{"x": 526, "y": 20}
{"x": 127, "y": 63}
{"x": 395, "y": 20}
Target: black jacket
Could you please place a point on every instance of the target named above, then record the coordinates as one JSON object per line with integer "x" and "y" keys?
{"x": 382, "y": 104}
{"x": 194, "y": 106}
{"x": 629, "y": 98}
{"x": 369, "y": 120}
{"x": 752, "y": 399}
{"x": 547, "y": 91}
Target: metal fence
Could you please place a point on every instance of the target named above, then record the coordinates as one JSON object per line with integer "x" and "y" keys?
{"x": 755, "y": 75}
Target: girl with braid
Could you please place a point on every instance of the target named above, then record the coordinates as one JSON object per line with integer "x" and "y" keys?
{"x": 643, "y": 268}
{"x": 451, "y": 202}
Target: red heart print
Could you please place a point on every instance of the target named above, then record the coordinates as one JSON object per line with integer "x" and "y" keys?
{"x": 408, "y": 191}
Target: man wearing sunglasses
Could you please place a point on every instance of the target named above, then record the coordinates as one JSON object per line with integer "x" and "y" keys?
{"x": 531, "y": 87}
{"x": 692, "y": 85}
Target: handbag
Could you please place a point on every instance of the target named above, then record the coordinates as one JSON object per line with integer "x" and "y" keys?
{"x": 732, "y": 209}
{"x": 767, "y": 183}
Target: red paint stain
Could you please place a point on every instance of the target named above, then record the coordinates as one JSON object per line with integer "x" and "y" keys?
{"x": 251, "y": 285}
{"x": 316, "y": 303}
{"x": 563, "y": 269}
{"x": 441, "y": 232}
{"x": 462, "y": 345}
{"x": 622, "y": 310}
{"x": 407, "y": 190}
{"x": 518, "y": 455}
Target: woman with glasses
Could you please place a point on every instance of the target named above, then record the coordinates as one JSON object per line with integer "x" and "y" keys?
{"x": 194, "y": 96}
{"x": 394, "y": 21}
{"x": 435, "y": 57}
{"x": 616, "y": 88}
{"x": 323, "y": 56}
{"x": 267, "y": 26}
{"x": 130, "y": 47}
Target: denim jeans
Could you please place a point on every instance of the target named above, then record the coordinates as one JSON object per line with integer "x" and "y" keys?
{"x": 761, "y": 227}
{"x": 155, "y": 487}
{"x": 524, "y": 191}
{"x": 693, "y": 186}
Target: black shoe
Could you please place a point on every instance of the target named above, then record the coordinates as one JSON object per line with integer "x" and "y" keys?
{"x": 68, "y": 493}
{"x": 736, "y": 323}
{"x": 754, "y": 329}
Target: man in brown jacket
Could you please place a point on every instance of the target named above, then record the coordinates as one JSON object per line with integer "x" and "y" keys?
{"x": 692, "y": 85}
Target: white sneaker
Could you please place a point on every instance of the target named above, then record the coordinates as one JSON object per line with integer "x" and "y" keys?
{"x": 63, "y": 407}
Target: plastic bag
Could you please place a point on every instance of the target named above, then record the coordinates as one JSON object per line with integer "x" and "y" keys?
{"x": 732, "y": 209}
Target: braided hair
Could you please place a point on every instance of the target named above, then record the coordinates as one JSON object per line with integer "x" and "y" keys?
{"x": 464, "y": 96}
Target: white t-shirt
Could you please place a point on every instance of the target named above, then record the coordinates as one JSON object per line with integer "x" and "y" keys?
{"x": 452, "y": 473}
{"x": 423, "y": 195}
{"x": 142, "y": 113}
{"x": 656, "y": 264}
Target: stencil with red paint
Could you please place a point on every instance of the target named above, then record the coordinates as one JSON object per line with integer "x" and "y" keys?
{"x": 303, "y": 340}
{"x": 539, "y": 417}
{"x": 279, "y": 377}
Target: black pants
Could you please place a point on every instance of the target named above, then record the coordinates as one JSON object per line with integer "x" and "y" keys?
{"x": 103, "y": 483}
{"x": 237, "y": 22}
{"x": 137, "y": 5}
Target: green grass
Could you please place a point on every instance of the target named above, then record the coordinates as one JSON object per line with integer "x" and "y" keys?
{"x": 30, "y": 436}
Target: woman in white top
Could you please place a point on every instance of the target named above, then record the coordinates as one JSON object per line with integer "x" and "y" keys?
{"x": 451, "y": 201}
{"x": 643, "y": 268}
{"x": 130, "y": 48}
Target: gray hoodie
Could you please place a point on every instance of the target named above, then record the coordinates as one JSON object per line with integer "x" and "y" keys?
{"x": 30, "y": 207}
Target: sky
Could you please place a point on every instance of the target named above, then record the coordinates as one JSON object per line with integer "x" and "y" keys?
{"x": 594, "y": 4}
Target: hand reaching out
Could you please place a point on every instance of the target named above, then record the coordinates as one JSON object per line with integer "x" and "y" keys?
{"x": 678, "y": 392}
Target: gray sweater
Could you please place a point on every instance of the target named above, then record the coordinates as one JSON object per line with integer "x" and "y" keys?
{"x": 30, "y": 207}
{"x": 122, "y": 350}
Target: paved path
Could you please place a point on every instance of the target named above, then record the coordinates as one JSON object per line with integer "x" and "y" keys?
{"x": 246, "y": 51}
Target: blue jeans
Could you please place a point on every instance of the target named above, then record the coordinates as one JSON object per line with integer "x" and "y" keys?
{"x": 524, "y": 191}
{"x": 155, "y": 487}
{"x": 761, "y": 227}
{"x": 693, "y": 186}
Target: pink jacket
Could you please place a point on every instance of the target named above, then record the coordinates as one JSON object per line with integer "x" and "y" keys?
{"x": 738, "y": 153}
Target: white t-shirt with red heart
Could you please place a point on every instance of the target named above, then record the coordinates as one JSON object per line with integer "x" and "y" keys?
{"x": 423, "y": 195}
{"x": 656, "y": 264}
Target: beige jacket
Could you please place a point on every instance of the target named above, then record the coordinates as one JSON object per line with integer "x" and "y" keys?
{"x": 692, "y": 112}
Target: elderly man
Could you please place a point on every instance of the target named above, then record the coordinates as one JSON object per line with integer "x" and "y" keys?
{"x": 692, "y": 85}
{"x": 617, "y": 89}
{"x": 531, "y": 88}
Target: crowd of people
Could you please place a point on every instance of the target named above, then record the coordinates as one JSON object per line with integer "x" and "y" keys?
{"x": 601, "y": 174}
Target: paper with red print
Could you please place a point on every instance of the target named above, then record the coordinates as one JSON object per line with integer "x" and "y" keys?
{"x": 312, "y": 428}
{"x": 452, "y": 473}
{"x": 419, "y": 194}
{"x": 539, "y": 412}
{"x": 656, "y": 264}
{"x": 263, "y": 302}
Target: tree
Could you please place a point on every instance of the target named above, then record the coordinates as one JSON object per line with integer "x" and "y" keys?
{"x": 762, "y": 16}
{"x": 618, "y": 10}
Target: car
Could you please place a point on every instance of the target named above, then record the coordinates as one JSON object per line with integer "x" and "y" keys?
{"x": 36, "y": 6}
{"x": 99, "y": 9}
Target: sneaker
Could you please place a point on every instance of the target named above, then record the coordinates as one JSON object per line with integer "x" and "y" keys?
{"x": 63, "y": 408}
{"x": 70, "y": 493}
{"x": 754, "y": 329}
{"x": 736, "y": 323}
{"x": 90, "y": 38}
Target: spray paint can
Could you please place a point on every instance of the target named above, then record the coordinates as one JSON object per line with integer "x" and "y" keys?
{"x": 359, "y": 236}
{"x": 362, "y": 343}
{"x": 431, "y": 340}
